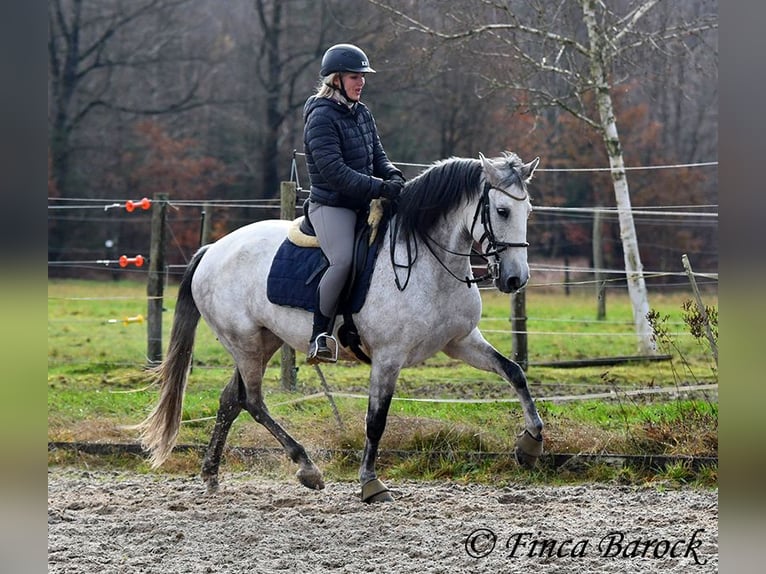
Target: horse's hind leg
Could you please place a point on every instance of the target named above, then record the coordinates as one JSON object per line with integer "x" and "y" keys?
{"x": 308, "y": 474}
{"x": 229, "y": 408}
{"x": 252, "y": 367}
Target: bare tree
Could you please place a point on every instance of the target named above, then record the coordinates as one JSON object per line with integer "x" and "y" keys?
{"x": 281, "y": 65}
{"x": 569, "y": 55}
{"x": 98, "y": 51}
{"x": 273, "y": 67}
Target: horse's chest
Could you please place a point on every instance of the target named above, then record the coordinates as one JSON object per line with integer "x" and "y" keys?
{"x": 436, "y": 321}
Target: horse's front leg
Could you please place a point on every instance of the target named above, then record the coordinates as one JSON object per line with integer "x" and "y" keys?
{"x": 382, "y": 384}
{"x": 477, "y": 352}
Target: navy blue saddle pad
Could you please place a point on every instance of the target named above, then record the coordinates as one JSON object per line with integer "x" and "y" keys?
{"x": 296, "y": 271}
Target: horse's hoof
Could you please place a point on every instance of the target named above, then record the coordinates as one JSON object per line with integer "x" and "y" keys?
{"x": 375, "y": 491}
{"x": 211, "y": 482}
{"x": 310, "y": 478}
{"x": 524, "y": 460}
{"x": 528, "y": 449}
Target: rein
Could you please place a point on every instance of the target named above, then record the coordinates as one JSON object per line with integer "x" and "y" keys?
{"x": 494, "y": 246}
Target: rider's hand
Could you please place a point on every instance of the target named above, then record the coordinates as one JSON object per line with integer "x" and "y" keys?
{"x": 392, "y": 188}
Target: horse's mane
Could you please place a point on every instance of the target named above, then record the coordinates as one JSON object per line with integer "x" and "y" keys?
{"x": 437, "y": 191}
{"x": 443, "y": 186}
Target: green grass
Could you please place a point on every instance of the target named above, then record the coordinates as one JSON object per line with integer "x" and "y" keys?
{"x": 97, "y": 384}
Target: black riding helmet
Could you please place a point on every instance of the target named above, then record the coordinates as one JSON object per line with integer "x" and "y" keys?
{"x": 344, "y": 58}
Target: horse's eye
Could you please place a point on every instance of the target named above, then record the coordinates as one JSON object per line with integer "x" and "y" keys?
{"x": 503, "y": 212}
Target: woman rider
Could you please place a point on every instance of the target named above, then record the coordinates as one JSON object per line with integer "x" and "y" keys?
{"x": 347, "y": 168}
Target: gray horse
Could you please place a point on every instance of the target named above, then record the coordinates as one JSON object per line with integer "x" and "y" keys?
{"x": 417, "y": 305}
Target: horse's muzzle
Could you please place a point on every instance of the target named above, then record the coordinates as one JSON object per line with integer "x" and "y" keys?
{"x": 511, "y": 284}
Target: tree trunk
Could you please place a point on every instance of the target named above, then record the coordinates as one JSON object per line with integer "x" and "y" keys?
{"x": 633, "y": 268}
{"x": 274, "y": 88}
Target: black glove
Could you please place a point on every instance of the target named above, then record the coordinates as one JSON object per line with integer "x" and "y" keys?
{"x": 392, "y": 188}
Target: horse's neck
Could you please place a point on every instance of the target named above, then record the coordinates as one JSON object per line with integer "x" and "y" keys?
{"x": 453, "y": 234}
{"x": 451, "y": 239}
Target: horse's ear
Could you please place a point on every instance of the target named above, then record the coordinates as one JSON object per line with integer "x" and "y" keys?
{"x": 490, "y": 170}
{"x": 529, "y": 168}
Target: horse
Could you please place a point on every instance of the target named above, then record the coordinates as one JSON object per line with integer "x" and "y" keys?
{"x": 416, "y": 306}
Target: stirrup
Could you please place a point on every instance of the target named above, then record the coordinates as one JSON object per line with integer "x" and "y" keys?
{"x": 320, "y": 352}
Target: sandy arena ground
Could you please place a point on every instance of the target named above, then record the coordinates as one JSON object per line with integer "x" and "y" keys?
{"x": 107, "y": 522}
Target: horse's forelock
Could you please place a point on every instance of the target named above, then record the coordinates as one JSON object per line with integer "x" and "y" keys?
{"x": 512, "y": 170}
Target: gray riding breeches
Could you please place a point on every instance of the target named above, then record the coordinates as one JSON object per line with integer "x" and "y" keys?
{"x": 334, "y": 227}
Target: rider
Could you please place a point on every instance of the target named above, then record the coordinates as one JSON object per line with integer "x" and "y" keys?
{"x": 347, "y": 168}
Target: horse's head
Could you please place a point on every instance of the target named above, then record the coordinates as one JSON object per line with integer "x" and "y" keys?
{"x": 505, "y": 208}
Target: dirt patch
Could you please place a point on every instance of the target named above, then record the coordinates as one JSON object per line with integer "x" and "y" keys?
{"x": 110, "y": 522}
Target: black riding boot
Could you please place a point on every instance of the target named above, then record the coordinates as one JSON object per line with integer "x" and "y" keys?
{"x": 321, "y": 335}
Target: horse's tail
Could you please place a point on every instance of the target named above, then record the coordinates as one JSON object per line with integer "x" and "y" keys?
{"x": 159, "y": 430}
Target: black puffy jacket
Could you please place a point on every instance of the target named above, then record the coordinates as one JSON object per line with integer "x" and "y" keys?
{"x": 346, "y": 161}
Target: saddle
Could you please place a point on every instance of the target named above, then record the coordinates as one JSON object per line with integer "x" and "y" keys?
{"x": 302, "y": 234}
{"x": 299, "y": 264}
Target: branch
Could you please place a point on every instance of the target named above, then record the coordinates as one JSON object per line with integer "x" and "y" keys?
{"x": 632, "y": 19}
{"x": 125, "y": 20}
{"x": 136, "y": 64}
{"x": 185, "y": 104}
{"x": 418, "y": 26}
{"x": 556, "y": 101}
{"x": 678, "y": 33}
{"x": 522, "y": 56}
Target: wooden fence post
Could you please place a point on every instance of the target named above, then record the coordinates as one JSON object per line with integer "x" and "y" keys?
{"x": 519, "y": 328}
{"x": 204, "y": 231}
{"x": 700, "y": 306}
{"x": 155, "y": 284}
{"x": 598, "y": 263}
{"x": 288, "y": 191}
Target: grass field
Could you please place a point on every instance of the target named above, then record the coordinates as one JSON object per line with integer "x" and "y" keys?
{"x": 97, "y": 383}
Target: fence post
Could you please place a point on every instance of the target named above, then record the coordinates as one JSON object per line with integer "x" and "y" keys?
{"x": 155, "y": 283}
{"x": 519, "y": 328}
{"x": 700, "y": 306}
{"x": 204, "y": 230}
{"x": 287, "y": 192}
{"x": 598, "y": 263}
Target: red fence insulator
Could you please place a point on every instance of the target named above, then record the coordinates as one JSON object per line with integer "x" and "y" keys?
{"x": 138, "y": 260}
{"x": 144, "y": 203}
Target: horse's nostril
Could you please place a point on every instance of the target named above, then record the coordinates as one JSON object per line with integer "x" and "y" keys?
{"x": 513, "y": 284}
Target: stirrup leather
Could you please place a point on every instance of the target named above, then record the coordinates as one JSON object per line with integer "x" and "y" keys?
{"x": 321, "y": 352}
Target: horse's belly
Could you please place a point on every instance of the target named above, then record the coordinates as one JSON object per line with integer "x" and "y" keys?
{"x": 421, "y": 353}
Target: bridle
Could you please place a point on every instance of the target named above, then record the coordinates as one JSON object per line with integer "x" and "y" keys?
{"x": 494, "y": 246}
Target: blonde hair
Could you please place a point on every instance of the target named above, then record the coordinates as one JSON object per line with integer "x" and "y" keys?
{"x": 325, "y": 87}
